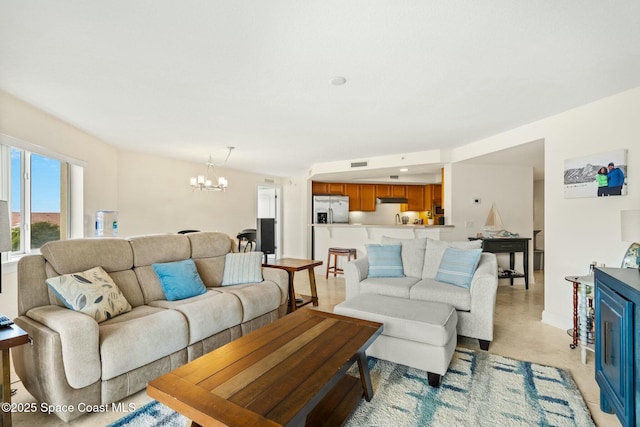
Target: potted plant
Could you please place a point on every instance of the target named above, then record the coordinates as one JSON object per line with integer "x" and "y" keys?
{"x": 430, "y": 219}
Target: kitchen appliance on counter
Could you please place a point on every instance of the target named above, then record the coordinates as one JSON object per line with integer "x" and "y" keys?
{"x": 330, "y": 209}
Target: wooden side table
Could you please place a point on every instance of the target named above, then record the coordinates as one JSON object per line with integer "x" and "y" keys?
{"x": 509, "y": 245}
{"x": 291, "y": 265}
{"x": 9, "y": 337}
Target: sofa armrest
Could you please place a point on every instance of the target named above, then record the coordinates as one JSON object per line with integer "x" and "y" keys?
{"x": 355, "y": 272}
{"x": 280, "y": 278}
{"x": 80, "y": 339}
{"x": 484, "y": 285}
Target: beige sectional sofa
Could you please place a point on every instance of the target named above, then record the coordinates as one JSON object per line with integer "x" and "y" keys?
{"x": 421, "y": 260}
{"x": 74, "y": 360}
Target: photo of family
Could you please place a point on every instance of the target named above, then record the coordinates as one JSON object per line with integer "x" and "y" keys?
{"x": 597, "y": 175}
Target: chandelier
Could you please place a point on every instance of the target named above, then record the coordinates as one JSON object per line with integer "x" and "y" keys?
{"x": 206, "y": 182}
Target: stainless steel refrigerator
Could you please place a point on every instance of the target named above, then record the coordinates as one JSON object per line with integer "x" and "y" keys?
{"x": 330, "y": 209}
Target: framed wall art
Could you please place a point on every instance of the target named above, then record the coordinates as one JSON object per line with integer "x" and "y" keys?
{"x": 597, "y": 175}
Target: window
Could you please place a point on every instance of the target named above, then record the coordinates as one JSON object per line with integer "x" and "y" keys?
{"x": 39, "y": 186}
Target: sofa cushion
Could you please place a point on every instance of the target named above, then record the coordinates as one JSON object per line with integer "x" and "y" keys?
{"x": 207, "y": 314}
{"x": 240, "y": 268}
{"x": 256, "y": 298}
{"x": 179, "y": 279}
{"x": 385, "y": 260}
{"x": 390, "y": 286}
{"x": 91, "y": 292}
{"x": 432, "y": 290}
{"x": 125, "y": 346}
{"x": 412, "y": 254}
{"x": 435, "y": 250}
{"x": 458, "y": 265}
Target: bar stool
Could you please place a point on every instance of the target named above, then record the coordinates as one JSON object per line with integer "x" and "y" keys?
{"x": 338, "y": 252}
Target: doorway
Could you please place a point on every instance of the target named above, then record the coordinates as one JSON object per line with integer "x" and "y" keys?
{"x": 269, "y": 207}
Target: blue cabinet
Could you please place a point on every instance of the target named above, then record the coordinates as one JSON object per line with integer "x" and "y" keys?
{"x": 617, "y": 347}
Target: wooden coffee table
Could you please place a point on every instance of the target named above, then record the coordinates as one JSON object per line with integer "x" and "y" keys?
{"x": 291, "y": 372}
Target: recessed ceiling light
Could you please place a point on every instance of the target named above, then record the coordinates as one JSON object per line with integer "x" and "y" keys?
{"x": 338, "y": 81}
{"x": 404, "y": 170}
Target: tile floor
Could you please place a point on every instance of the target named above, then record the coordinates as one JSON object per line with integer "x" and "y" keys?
{"x": 518, "y": 334}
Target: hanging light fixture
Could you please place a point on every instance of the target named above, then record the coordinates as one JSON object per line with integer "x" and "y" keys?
{"x": 205, "y": 182}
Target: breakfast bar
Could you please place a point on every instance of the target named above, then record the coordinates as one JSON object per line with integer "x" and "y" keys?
{"x": 356, "y": 236}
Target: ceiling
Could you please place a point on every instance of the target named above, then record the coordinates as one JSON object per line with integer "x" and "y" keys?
{"x": 189, "y": 78}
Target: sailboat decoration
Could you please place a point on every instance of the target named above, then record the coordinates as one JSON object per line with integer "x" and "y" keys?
{"x": 493, "y": 225}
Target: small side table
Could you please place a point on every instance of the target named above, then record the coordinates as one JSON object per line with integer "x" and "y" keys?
{"x": 9, "y": 337}
{"x": 580, "y": 313}
{"x": 291, "y": 265}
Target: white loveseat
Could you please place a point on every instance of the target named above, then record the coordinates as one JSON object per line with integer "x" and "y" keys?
{"x": 421, "y": 260}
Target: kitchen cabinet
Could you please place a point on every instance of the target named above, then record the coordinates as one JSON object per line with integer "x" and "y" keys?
{"x": 428, "y": 197}
{"x": 383, "y": 190}
{"x": 617, "y": 348}
{"x": 398, "y": 190}
{"x": 415, "y": 199}
{"x": 322, "y": 188}
{"x": 355, "y": 200}
{"x": 362, "y": 197}
{"x": 367, "y": 197}
{"x": 437, "y": 193}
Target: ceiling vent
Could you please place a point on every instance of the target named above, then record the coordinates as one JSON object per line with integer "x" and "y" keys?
{"x": 359, "y": 164}
{"x": 394, "y": 177}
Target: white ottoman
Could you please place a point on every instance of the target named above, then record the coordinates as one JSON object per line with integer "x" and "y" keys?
{"x": 420, "y": 334}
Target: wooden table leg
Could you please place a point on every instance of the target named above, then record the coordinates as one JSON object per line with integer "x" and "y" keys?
{"x": 292, "y": 293}
{"x": 365, "y": 378}
{"x": 312, "y": 283}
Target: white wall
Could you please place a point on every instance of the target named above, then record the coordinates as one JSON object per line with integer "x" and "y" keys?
{"x": 150, "y": 193}
{"x": 538, "y": 212}
{"x": 296, "y": 212}
{"x": 154, "y": 196}
{"x": 23, "y": 121}
{"x": 578, "y": 231}
{"x": 509, "y": 187}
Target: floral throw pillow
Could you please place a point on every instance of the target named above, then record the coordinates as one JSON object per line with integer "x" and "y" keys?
{"x": 91, "y": 292}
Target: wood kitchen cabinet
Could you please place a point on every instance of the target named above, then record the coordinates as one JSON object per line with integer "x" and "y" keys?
{"x": 391, "y": 190}
{"x": 383, "y": 190}
{"x": 355, "y": 200}
{"x": 437, "y": 193}
{"x": 428, "y": 197}
{"x": 367, "y": 197}
{"x": 415, "y": 199}
{"x": 333, "y": 188}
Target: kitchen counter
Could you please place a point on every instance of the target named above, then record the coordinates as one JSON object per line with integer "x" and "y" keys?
{"x": 383, "y": 225}
{"x": 356, "y": 236}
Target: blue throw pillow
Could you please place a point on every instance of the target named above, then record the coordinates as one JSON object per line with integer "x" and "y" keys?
{"x": 458, "y": 266}
{"x": 179, "y": 279}
{"x": 385, "y": 260}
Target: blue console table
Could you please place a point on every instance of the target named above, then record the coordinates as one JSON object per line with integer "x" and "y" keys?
{"x": 617, "y": 301}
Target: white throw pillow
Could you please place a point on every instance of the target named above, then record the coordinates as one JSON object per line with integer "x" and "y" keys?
{"x": 91, "y": 292}
{"x": 412, "y": 254}
{"x": 239, "y": 268}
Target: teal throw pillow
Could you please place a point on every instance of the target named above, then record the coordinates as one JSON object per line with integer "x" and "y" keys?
{"x": 179, "y": 279}
{"x": 240, "y": 268}
{"x": 385, "y": 260}
{"x": 458, "y": 266}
